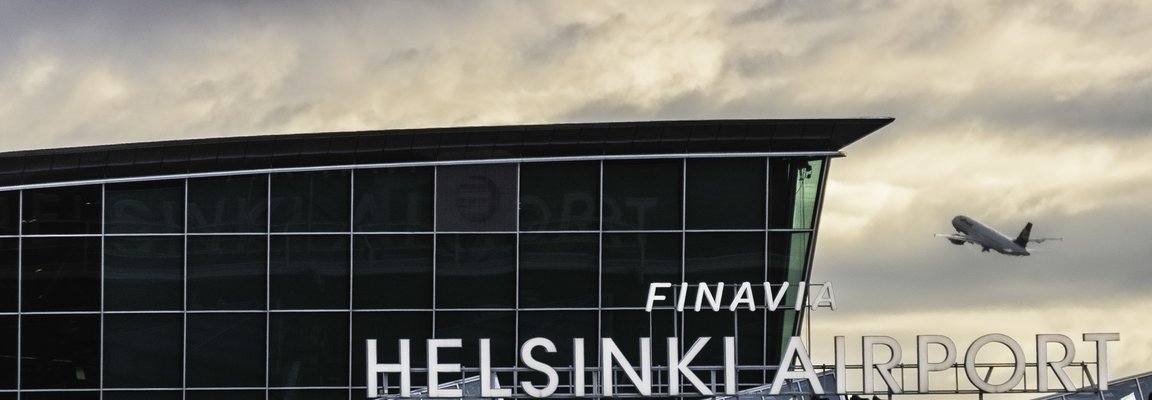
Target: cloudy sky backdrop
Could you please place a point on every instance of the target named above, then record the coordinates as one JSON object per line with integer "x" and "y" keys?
{"x": 1008, "y": 112}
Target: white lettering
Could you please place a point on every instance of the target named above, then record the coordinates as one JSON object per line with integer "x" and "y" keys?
{"x": 679, "y": 366}
{"x": 435, "y": 368}
{"x": 652, "y": 296}
{"x": 530, "y": 362}
{"x": 1017, "y": 355}
{"x": 923, "y": 367}
{"x": 610, "y": 354}
{"x": 796, "y": 350}
{"x": 1042, "y": 362}
{"x": 1102, "y": 340}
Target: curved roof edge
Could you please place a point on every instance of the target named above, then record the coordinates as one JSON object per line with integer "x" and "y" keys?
{"x": 432, "y": 145}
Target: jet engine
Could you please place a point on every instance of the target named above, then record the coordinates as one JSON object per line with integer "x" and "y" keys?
{"x": 956, "y": 241}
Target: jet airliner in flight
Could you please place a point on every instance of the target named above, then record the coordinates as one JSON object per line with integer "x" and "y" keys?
{"x": 972, "y": 231}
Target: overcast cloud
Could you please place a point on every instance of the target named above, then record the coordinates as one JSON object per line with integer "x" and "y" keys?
{"x": 1008, "y": 112}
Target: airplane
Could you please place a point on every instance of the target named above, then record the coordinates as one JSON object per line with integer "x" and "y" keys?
{"x": 972, "y": 231}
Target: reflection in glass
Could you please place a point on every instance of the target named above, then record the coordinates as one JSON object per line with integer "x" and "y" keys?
{"x": 61, "y": 274}
{"x": 62, "y": 210}
{"x": 311, "y": 201}
{"x": 471, "y": 326}
{"x": 60, "y": 351}
{"x": 634, "y": 260}
{"x": 228, "y": 204}
{"x": 626, "y": 327}
{"x": 227, "y": 272}
{"x": 309, "y": 272}
{"x": 8, "y": 346}
{"x": 715, "y": 325}
{"x": 9, "y": 213}
{"x": 143, "y": 350}
{"x": 144, "y": 273}
{"x": 642, "y": 195}
{"x": 226, "y": 350}
{"x": 560, "y": 196}
{"x": 729, "y": 257}
{"x": 750, "y": 342}
{"x": 308, "y": 349}
{"x": 475, "y": 271}
{"x": 394, "y": 199}
{"x": 794, "y": 190}
{"x": 144, "y": 207}
{"x": 559, "y": 270}
{"x": 476, "y": 198}
{"x": 392, "y": 271}
{"x": 726, "y": 193}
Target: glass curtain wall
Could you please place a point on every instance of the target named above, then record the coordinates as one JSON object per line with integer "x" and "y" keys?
{"x": 266, "y": 286}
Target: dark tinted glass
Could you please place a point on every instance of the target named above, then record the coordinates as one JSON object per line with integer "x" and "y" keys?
{"x": 626, "y": 327}
{"x": 394, "y": 199}
{"x": 794, "y": 186}
{"x": 9, "y": 213}
{"x": 310, "y": 394}
{"x": 634, "y": 260}
{"x": 8, "y": 359}
{"x": 228, "y": 204}
{"x": 475, "y": 271}
{"x": 309, "y": 272}
{"x": 144, "y": 207}
{"x": 311, "y": 201}
{"x": 560, "y": 327}
{"x": 9, "y": 275}
{"x": 787, "y": 253}
{"x": 715, "y": 325}
{"x": 144, "y": 395}
{"x": 144, "y": 273}
{"x": 226, "y": 350}
{"x": 731, "y": 258}
{"x": 224, "y": 394}
{"x": 750, "y": 341}
{"x": 227, "y": 272}
{"x": 470, "y": 327}
{"x": 642, "y": 195}
{"x": 69, "y": 209}
{"x": 308, "y": 349}
{"x": 143, "y": 350}
{"x": 725, "y": 193}
{"x": 559, "y": 270}
{"x": 388, "y": 328}
{"x": 560, "y": 196}
{"x": 392, "y": 271}
{"x": 60, "y": 395}
{"x": 61, "y": 274}
{"x": 60, "y": 351}
{"x": 476, "y": 198}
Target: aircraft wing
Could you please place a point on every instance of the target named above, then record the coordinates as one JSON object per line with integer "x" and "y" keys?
{"x": 955, "y": 237}
{"x": 1042, "y": 240}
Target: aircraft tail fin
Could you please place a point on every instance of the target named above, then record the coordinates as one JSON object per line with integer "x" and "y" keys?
{"x": 1022, "y": 240}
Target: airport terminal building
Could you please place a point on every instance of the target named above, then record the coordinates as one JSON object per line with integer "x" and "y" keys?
{"x": 258, "y": 267}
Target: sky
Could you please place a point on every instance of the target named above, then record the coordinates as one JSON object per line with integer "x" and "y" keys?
{"x": 1007, "y": 112}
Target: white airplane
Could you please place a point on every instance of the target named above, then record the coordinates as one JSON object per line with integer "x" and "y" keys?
{"x": 972, "y": 231}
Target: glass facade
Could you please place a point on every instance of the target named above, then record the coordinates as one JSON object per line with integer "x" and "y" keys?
{"x": 266, "y": 285}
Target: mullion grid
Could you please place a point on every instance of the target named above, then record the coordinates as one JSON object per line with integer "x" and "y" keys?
{"x": 677, "y": 320}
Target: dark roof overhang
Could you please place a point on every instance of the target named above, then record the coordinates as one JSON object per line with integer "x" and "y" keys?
{"x": 197, "y": 156}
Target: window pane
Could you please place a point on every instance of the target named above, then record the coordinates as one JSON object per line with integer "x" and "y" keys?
{"x": 727, "y": 257}
{"x": 9, "y": 213}
{"x": 394, "y": 199}
{"x": 60, "y": 395}
{"x": 144, "y": 273}
{"x": 60, "y": 351}
{"x": 392, "y": 271}
{"x": 794, "y": 186}
{"x": 309, "y": 394}
{"x": 476, "y": 271}
{"x": 476, "y": 198}
{"x": 470, "y": 327}
{"x": 560, "y": 327}
{"x": 8, "y": 345}
{"x": 143, "y": 350}
{"x": 224, "y": 394}
{"x": 634, "y": 260}
{"x": 144, "y": 395}
{"x": 559, "y": 270}
{"x": 626, "y": 327}
{"x": 309, "y": 272}
{"x": 227, "y": 272}
{"x": 563, "y": 196}
{"x": 311, "y": 201}
{"x": 787, "y": 253}
{"x": 61, "y": 274}
{"x": 750, "y": 342}
{"x": 226, "y": 350}
{"x": 228, "y": 204}
{"x": 145, "y": 207}
{"x": 69, "y": 209}
{"x": 725, "y": 193}
{"x": 642, "y": 195}
{"x": 293, "y": 341}
{"x": 388, "y": 328}
{"x": 9, "y": 274}
{"x": 715, "y": 325}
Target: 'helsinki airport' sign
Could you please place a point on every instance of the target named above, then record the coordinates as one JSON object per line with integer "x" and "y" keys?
{"x": 795, "y": 364}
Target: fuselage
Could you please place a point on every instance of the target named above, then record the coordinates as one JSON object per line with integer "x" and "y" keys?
{"x": 987, "y": 237}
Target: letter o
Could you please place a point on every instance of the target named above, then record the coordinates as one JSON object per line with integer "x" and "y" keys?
{"x": 1017, "y": 356}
